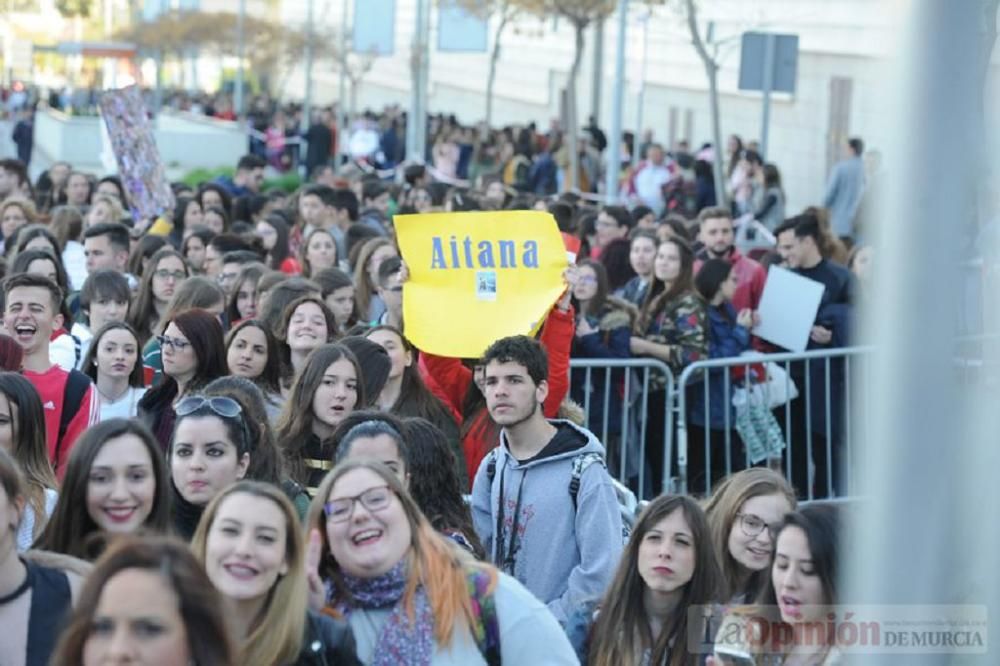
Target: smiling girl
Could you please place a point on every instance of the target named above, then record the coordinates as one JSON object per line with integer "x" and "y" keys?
{"x": 115, "y": 483}
{"x": 743, "y": 513}
{"x": 251, "y": 546}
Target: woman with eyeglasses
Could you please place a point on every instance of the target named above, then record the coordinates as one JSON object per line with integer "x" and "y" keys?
{"x": 328, "y": 388}
{"x": 161, "y": 278}
{"x": 116, "y": 483}
{"x": 193, "y": 355}
{"x": 743, "y": 513}
{"x": 250, "y": 544}
{"x": 254, "y": 353}
{"x": 668, "y": 569}
{"x": 209, "y": 451}
{"x": 147, "y": 601}
{"x": 20, "y": 435}
{"x": 411, "y": 596}
{"x": 113, "y": 362}
{"x": 307, "y": 324}
{"x": 196, "y": 292}
{"x": 795, "y": 604}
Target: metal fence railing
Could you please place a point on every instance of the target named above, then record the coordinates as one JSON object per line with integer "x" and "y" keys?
{"x": 624, "y": 403}
{"x": 803, "y": 413}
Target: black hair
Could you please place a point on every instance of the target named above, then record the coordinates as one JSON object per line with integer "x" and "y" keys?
{"x": 136, "y": 378}
{"x": 345, "y": 199}
{"x": 619, "y": 214}
{"x": 389, "y": 267}
{"x": 807, "y": 226}
{"x": 228, "y": 242}
{"x": 241, "y": 257}
{"x": 373, "y": 428}
{"x": 640, "y": 212}
{"x": 522, "y": 350}
{"x": 372, "y": 188}
{"x": 710, "y": 277}
{"x": 116, "y": 232}
{"x": 106, "y": 283}
{"x": 563, "y": 212}
{"x": 251, "y": 162}
{"x": 857, "y": 145}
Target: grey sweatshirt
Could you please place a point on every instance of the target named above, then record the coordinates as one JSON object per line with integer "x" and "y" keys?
{"x": 564, "y": 557}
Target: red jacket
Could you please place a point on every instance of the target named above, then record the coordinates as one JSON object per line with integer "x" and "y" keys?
{"x": 452, "y": 380}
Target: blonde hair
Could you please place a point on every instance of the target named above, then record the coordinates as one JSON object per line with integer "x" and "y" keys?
{"x": 434, "y": 562}
{"x": 276, "y": 635}
{"x": 117, "y": 212}
{"x": 721, "y": 509}
{"x": 26, "y": 205}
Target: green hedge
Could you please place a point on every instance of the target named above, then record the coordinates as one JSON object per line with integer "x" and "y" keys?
{"x": 288, "y": 182}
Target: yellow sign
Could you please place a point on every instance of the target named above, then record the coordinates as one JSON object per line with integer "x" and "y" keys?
{"x": 478, "y": 277}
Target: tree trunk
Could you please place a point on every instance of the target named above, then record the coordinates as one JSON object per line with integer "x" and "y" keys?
{"x": 572, "y": 179}
{"x": 712, "y": 71}
{"x": 494, "y": 57}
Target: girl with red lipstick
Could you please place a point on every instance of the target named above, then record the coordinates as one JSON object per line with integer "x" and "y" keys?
{"x": 251, "y": 546}
{"x": 116, "y": 483}
{"x": 668, "y": 566}
{"x": 743, "y": 513}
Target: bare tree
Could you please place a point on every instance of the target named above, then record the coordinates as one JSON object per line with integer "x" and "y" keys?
{"x": 505, "y": 11}
{"x": 711, "y": 63}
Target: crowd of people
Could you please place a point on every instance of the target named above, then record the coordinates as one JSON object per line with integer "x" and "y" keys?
{"x": 245, "y": 460}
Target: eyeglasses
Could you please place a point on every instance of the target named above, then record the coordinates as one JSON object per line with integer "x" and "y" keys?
{"x": 374, "y": 500}
{"x": 164, "y": 274}
{"x": 222, "y": 406}
{"x": 177, "y": 344}
{"x": 587, "y": 279}
{"x": 753, "y": 525}
{"x": 227, "y": 277}
{"x": 394, "y": 290}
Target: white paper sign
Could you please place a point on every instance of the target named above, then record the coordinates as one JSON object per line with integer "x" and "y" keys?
{"x": 788, "y": 309}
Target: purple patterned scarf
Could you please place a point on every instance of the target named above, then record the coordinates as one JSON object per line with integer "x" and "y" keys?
{"x": 401, "y": 643}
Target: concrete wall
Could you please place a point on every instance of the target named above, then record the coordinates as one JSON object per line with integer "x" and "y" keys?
{"x": 185, "y": 141}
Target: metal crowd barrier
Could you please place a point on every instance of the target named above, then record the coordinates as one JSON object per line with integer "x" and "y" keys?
{"x": 626, "y": 386}
{"x": 842, "y": 387}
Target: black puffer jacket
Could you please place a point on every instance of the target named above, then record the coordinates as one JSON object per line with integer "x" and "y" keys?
{"x": 327, "y": 642}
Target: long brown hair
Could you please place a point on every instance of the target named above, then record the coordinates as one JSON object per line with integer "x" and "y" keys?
{"x": 199, "y": 605}
{"x": 621, "y": 633}
{"x": 721, "y": 510}
{"x": 142, "y": 315}
{"x": 275, "y": 636}
{"x": 415, "y": 399}
{"x": 72, "y": 530}
{"x": 658, "y": 295}
{"x": 434, "y": 563}
{"x": 30, "y": 450}
{"x": 595, "y": 304}
{"x": 294, "y": 428}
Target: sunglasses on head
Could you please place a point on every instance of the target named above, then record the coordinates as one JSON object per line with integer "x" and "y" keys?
{"x": 220, "y": 405}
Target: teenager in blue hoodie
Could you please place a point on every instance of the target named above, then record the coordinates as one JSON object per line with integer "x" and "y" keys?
{"x": 562, "y": 546}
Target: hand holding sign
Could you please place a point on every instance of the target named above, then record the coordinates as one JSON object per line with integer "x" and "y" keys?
{"x": 477, "y": 277}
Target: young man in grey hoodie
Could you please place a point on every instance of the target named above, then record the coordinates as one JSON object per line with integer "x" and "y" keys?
{"x": 563, "y": 548}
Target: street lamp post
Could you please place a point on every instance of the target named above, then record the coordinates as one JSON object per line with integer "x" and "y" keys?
{"x": 615, "y": 140}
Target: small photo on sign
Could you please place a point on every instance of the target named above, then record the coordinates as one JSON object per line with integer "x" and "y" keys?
{"x": 486, "y": 285}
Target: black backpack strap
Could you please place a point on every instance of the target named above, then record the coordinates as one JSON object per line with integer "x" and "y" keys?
{"x": 580, "y": 465}
{"x": 76, "y": 387}
{"x": 491, "y": 466}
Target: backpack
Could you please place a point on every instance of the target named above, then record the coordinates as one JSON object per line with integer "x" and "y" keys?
{"x": 75, "y": 390}
{"x": 627, "y": 503}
